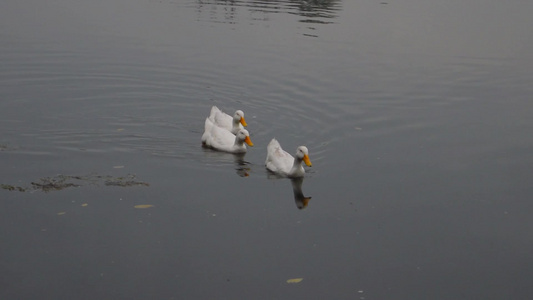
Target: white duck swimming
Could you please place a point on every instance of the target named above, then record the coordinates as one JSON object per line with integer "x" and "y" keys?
{"x": 223, "y": 140}
{"x": 282, "y": 163}
{"x": 226, "y": 121}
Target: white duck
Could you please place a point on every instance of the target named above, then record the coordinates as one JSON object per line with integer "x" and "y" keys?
{"x": 223, "y": 140}
{"x": 226, "y": 121}
{"x": 282, "y": 163}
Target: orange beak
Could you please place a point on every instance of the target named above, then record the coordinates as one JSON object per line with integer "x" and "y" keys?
{"x": 248, "y": 141}
{"x": 307, "y": 161}
{"x": 243, "y": 122}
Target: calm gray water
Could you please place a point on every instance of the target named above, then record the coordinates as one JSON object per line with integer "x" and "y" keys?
{"x": 417, "y": 115}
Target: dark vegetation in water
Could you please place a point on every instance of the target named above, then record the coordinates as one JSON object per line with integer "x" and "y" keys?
{"x": 60, "y": 182}
{"x": 12, "y": 188}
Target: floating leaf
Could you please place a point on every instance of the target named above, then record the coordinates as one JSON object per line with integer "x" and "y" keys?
{"x": 143, "y": 206}
{"x": 295, "y": 280}
{"x": 61, "y": 213}
{"x": 84, "y": 204}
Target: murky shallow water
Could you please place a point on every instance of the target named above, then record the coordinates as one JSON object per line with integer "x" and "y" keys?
{"x": 417, "y": 116}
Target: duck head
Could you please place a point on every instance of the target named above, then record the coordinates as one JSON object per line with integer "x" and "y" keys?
{"x": 244, "y": 136}
{"x": 238, "y": 117}
{"x": 303, "y": 154}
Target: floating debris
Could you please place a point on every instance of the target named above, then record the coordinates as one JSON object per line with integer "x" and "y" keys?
{"x": 13, "y": 188}
{"x": 143, "y": 206}
{"x": 124, "y": 181}
{"x": 60, "y": 182}
{"x": 295, "y": 280}
{"x": 57, "y": 183}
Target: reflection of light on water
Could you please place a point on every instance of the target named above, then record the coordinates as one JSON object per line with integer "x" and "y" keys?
{"x": 312, "y": 12}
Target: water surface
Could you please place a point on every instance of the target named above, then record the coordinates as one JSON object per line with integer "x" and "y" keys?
{"x": 417, "y": 116}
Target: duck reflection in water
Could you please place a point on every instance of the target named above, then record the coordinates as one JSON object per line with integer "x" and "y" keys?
{"x": 242, "y": 167}
{"x": 233, "y": 12}
{"x": 299, "y": 198}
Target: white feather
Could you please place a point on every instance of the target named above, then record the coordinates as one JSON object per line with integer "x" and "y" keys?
{"x": 221, "y": 139}
{"x": 226, "y": 121}
{"x": 281, "y": 162}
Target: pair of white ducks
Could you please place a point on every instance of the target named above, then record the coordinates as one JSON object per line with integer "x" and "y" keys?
{"x": 226, "y": 133}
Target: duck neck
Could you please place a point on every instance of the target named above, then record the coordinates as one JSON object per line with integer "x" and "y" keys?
{"x": 236, "y": 123}
{"x": 296, "y": 166}
{"x": 238, "y": 142}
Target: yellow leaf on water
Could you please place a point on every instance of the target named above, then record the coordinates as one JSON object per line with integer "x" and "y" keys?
{"x": 143, "y": 206}
{"x": 61, "y": 213}
{"x": 294, "y": 280}
{"x": 84, "y": 204}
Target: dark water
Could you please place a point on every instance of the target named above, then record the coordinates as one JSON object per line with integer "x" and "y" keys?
{"x": 417, "y": 116}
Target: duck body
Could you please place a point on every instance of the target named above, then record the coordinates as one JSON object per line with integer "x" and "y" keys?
{"x": 282, "y": 163}
{"x": 223, "y": 140}
{"x": 226, "y": 121}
